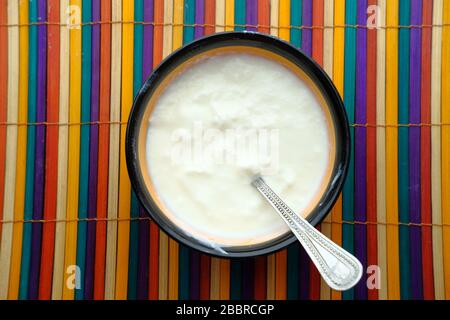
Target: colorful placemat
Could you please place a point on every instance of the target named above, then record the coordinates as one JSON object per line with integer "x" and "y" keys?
{"x": 70, "y": 224}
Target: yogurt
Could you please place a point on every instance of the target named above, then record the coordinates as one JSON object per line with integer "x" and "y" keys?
{"x": 219, "y": 123}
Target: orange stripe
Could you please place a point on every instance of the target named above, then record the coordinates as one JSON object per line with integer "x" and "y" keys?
{"x": 224, "y": 279}
{"x": 103, "y": 151}
{"x": 261, "y": 262}
{"x": 154, "y": 230}
{"x": 3, "y": 99}
{"x": 51, "y": 159}
{"x": 264, "y": 16}
{"x": 317, "y": 55}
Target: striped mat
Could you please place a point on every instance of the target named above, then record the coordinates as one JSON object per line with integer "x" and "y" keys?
{"x": 70, "y": 225}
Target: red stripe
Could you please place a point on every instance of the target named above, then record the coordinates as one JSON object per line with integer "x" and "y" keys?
{"x": 317, "y": 55}
{"x": 263, "y": 16}
{"x": 205, "y": 276}
{"x": 51, "y": 157}
{"x": 154, "y": 231}
{"x": 425, "y": 145}
{"x": 210, "y": 16}
{"x": 153, "y": 263}
{"x": 103, "y": 152}
{"x": 3, "y": 98}
{"x": 260, "y": 278}
{"x": 372, "y": 255}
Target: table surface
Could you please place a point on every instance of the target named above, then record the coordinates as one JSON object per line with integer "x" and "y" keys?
{"x": 70, "y": 225}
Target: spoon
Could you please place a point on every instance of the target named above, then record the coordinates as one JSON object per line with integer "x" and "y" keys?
{"x": 340, "y": 269}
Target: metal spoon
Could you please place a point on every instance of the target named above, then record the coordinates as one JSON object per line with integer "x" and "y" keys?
{"x": 340, "y": 270}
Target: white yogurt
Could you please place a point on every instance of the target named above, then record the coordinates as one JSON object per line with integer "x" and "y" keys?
{"x": 202, "y": 167}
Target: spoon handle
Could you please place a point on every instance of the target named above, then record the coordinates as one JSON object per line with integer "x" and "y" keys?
{"x": 340, "y": 270}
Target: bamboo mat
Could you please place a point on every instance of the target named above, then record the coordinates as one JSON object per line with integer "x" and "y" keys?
{"x": 72, "y": 228}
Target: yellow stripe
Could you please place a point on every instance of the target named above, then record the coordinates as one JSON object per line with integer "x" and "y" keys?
{"x": 274, "y": 5}
{"x": 63, "y": 137}
{"x": 74, "y": 151}
{"x": 215, "y": 262}
{"x": 168, "y": 20}
{"x": 446, "y": 143}
{"x": 163, "y": 265}
{"x": 285, "y": 13}
{"x": 124, "y": 181}
{"x": 214, "y": 292}
{"x": 173, "y": 245}
{"x": 229, "y": 15}
{"x": 338, "y": 78}
{"x": 11, "y": 146}
{"x": 178, "y": 11}
{"x": 16, "y": 256}
{"x": 391, "y": 150}
{"x": 381, "y": 150}
{"x": 220, "y": 15}
{"x": 325, "y": 292}
{"x": 271, "y": 259}
{"x": 281, "y": 257}
{"x": 114, "y": 147}
{"x": 436, "y": 199}
{"x": 270, "y": 295}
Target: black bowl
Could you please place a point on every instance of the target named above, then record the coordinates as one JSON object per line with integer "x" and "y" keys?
{"x": 255, "y": 41}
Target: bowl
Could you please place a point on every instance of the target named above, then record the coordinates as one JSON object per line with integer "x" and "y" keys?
{"x": 254, "y": 43}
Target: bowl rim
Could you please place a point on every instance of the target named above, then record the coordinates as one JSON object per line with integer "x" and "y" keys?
{"x": 264, "y": 41}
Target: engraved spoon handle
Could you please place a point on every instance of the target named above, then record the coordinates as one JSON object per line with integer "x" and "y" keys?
{"x": 340, "y": 270}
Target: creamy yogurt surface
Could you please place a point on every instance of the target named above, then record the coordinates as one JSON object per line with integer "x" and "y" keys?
{"x": 222, "y": 121}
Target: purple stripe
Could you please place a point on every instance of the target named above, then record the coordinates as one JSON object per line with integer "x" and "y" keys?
{"x": 144, "y": 225}
{"x": 248, "y": 269}
{"x": 304, "y": 261}
{"x": 307, "y": 22}
{"x": 38, "y": 201}
{"x": 199, "y": 18}
{"x": 414, "y": 151}
{"x": 147, "y": 64}
{"x": 143, "y": 252}
{"x": 360, "y": 147}
{"x": 251, "y": 14}
{"x": 248, "y": 265}
{"x": 194, "y": 281}
{"x": 93, "y": 153}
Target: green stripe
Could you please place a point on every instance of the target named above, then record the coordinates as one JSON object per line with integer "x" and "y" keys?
{"x": 31, "y": 133}
{"x": 86, "y": 64}
{"x": 349, "y": 100}
{"x": 296, "y": 21}
{"x": 403, "y": 147}
{"x": 189, "y": 18}
{"x": 239, "y": 14}
{"x": 184, "y": 271}
{"x": 236, "y": 279}
{"x": 184, "y": 252}
{"x": 293, "y": 251}
{"x": 293, "y": 269}
{"x": 134, "y": 212}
